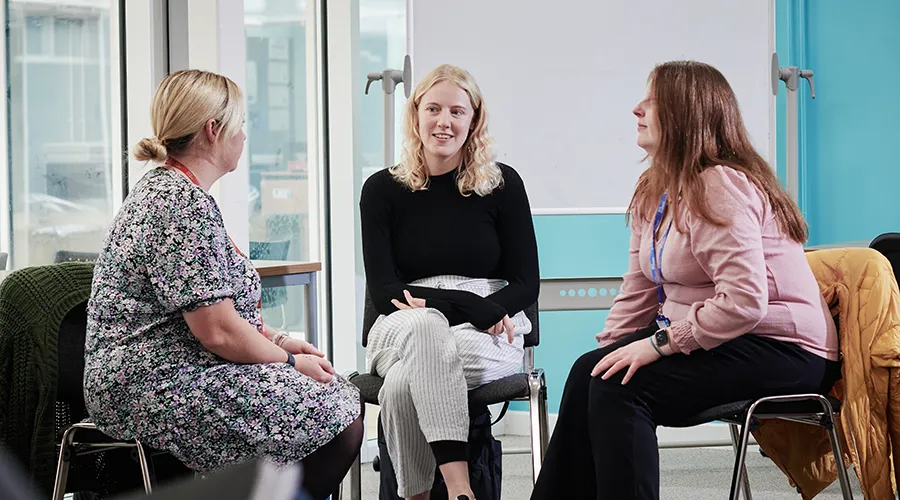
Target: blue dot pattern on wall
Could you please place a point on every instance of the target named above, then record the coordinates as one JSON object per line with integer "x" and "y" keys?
{"x": 588, "y": 292}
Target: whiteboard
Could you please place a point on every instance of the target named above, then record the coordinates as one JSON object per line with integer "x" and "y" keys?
{"x": 560, "y": 80}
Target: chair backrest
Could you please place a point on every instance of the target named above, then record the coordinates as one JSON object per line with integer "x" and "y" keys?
{"x": 70, "y": 256}
{"x": 103, "y": 473}
{"x": 269, "y": 250}
{"x": 34, "y": 304}
{"x": 370, "y": 315}
{"x": 70, "y": 406}
{"x": 888, "y": 244}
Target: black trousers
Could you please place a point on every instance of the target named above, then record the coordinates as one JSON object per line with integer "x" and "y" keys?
{"x": 604, "y": 444}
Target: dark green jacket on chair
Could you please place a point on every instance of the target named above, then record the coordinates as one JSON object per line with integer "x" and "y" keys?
{"x": 33, "y": 303}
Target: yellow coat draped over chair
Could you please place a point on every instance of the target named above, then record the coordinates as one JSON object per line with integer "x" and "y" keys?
{"x": 859, "y": 286}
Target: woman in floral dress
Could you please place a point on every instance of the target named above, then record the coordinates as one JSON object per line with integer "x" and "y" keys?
{"x": 177, "y": 354}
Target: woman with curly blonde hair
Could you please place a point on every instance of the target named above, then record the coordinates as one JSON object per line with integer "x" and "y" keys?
{"x": 451, "y": 263}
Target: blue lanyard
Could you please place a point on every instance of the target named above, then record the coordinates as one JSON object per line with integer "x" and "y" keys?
{"x": 656, "y": 259}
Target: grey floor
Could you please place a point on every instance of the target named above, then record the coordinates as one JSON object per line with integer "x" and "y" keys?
{"x": 686, "y": 474}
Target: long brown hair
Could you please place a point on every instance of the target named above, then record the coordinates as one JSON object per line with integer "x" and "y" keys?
{"x": 700, "y": 126}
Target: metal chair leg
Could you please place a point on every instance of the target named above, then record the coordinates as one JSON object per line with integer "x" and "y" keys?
{"x": 356, "y": 479}
{"x": 62, "y": 465}
{"x": 545, "y": 421}
{"x": 145, "y": 467}
{"x": 843, "y": 477}
{"x": 740, "y": 455}
{"x": 536, "y": 410}
{"x": 735, "y": 443}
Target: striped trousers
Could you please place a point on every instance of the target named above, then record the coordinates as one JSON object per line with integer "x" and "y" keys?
{"x": 428, "y": 367}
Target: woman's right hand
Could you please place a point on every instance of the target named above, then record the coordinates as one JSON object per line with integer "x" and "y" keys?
{"x": 314, "y": 367}
{"x": 504, "y": 324}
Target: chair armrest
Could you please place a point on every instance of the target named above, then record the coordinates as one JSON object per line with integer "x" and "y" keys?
{"x": 537, "y": 383}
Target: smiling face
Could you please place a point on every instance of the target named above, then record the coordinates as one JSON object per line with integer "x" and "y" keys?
{"x": 445, "y": 118}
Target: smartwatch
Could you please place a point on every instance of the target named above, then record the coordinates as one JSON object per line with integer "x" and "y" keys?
{"x": 661, "y": 337}
{"x": 291, "y": 361}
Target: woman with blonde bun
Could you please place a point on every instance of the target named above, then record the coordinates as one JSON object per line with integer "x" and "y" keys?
{"x": 177, "y": 354}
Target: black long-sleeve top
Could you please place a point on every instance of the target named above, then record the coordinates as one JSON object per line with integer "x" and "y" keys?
{"x": 409, "y": 235}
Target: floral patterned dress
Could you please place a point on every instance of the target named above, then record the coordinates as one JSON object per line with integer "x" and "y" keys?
{"x": 147, "y": 377}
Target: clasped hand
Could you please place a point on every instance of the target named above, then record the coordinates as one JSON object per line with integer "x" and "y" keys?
{"x": 504, "y": 325}
{"x": 309, "y": 360}
{"x": 411, "y": 302}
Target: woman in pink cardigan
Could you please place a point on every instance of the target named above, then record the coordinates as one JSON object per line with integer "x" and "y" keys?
{"x": 717, "y": 270}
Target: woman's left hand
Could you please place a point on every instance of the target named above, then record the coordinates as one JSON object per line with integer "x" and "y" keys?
{"x": 297, "y": 346}
{"x": 633, "y": 356}
{"x": 411, "y": 302}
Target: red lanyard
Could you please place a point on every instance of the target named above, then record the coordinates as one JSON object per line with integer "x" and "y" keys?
{"x": 190, "y": 175}
{"x": 172, "y": 162}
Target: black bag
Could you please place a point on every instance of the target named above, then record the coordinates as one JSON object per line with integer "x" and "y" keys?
{"x": 485, "y": 462}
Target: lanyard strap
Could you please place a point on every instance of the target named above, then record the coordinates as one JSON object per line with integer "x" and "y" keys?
{"x": 656, "y": 259}
{"x": 172, "y": 162}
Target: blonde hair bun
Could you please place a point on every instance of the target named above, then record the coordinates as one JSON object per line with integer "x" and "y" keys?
{"x": 151, "y": 148}
{"x": 183, "y": 104}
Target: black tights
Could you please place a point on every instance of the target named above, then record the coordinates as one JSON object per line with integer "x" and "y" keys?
{"x": 326, "y": 467}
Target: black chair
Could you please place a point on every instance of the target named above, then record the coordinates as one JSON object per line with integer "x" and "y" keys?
{"x": 97, "y": 462}
{"x": 95, "y": 459}
{"x": 70, "y": 256}
{"x": 888, "y": 244}
{"x": 744, "y": 416}
{"x": 812, "y": 409}
{"x": 530, "y": 385}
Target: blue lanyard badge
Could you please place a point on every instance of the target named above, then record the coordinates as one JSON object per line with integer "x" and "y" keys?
{"x": 656, "y": 260}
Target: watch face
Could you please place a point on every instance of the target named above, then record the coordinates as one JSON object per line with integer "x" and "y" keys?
{"x": 662, "y": 338}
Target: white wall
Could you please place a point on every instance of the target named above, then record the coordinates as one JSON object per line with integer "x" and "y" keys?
{"x": 560, "y": 80}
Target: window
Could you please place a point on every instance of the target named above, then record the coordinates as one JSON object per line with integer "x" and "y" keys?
{"x": 280, "y": 136}
{"x": 382, "y": 45}
{"x": 65, "y": 154}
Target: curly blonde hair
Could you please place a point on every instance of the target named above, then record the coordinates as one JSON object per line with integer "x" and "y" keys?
{"x": 479, "y": 173}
